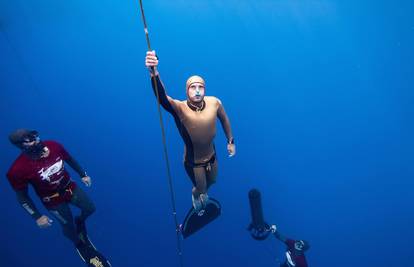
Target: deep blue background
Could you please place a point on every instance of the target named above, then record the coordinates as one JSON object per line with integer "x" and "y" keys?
{"x": 319, "y": 93}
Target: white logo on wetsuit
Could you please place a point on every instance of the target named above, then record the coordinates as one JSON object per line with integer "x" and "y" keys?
{"x": 289, "y": 259}
{"x": 48, "y": 172}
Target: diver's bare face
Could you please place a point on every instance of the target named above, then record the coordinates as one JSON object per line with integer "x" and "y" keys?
{"x": 196, "y": 92}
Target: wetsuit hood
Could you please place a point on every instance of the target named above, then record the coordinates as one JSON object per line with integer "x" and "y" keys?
{"x": 190, "y": 81}
{"x": 194, "y": 79}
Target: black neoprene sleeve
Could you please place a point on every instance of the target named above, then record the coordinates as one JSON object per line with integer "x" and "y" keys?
{"x": 161, "y": 93}
{"x": 280, "y": 237}
{"x": 75, "y": 165}
{"x": 27, "y": 203}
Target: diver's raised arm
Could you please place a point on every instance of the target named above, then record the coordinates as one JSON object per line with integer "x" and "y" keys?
{"x": 151, "y": 62}
{"x": 276, "y": 233}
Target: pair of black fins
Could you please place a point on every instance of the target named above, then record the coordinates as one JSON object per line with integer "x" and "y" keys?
{"x": 195, "y": 220}
{"x": 88, "y": 252}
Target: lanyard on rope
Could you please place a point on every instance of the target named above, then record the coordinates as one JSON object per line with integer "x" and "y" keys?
{"x": 167, "y": 161}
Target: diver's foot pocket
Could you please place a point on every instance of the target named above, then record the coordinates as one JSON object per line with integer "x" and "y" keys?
{"x": 204, "y": 200}
{"x": 197, "y": 204}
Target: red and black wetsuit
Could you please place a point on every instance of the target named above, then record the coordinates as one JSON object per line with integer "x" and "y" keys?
{"x": 47, "y": 175}
{"x": 52, "y": 184}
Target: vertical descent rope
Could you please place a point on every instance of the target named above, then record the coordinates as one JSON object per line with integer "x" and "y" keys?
{"x": 167, "y": 161}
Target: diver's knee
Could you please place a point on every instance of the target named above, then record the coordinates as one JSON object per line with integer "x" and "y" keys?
{"x": 92, "y": 209}
{"x": 210, "y": 183}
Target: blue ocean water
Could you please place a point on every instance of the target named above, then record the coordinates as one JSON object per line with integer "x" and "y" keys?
{"x": 319, "y": 94}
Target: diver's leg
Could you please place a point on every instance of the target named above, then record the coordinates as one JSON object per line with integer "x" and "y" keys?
{"x": 200, "y": 190}
{"x": 63, "y": 215}
{"x": 198, "y": 178}
{"x": 81, "y": 200}
{"x": 200, "y": 181}
{"x": 190, "y": 172}
{"x": 211, "y": 174}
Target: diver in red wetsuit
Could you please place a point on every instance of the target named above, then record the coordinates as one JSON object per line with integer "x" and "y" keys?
{"x": 42, "y": 165}
{"x": 295, "y": 250}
